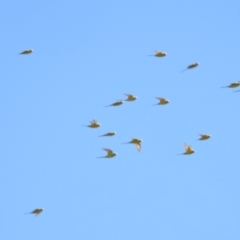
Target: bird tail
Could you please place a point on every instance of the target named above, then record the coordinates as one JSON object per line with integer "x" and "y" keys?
{"x": 184, "y": 70}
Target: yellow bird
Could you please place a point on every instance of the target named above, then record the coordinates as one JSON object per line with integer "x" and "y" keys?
{"x": 110, "y": 153}
{"x": 159, "y": 54}
{"x": 191, "y": 66}
{"x": 188, "y": 150}
{"x": 204, "y": 136}
{"x": 130, "y": 97}
{"x": 27, "y": 51}
{"x": 109, "y": 134}
{"x": 137, "y": 143}
{"x": 162, "y": 101}
{"x": 93, "y": 124}
{"x": 37, "y": 211}
{"x": 117, "y": 103}
{"x": 233, "y": 85}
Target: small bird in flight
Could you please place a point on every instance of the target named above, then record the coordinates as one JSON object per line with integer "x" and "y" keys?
{"x": 137, "y": 143}
{"x": 162, "y": 101}
{"x": 109, "y": 134}
{"x": 188, "y": 150}
{"x": 130, "y": 97}
{"x": 233, "y": 85}
{"x": 204, "y": 136}
{"x": 110, "y": 153}
{"x": 159, "y": 54}
{"x": 37, "y": 211}
{"x": 93, "y": 124}
{"x": 27, "y": 51}
{"x": 191, "y": 66}
{"x": 117, "y": 103}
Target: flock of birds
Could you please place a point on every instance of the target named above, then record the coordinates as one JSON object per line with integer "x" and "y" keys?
{"x": 137, "y": 142}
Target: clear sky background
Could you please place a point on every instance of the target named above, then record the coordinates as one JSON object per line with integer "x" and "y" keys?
{"x": 87, "y": 54}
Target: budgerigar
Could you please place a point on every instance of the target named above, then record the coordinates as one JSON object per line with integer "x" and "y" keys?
{"x": 117, "y": 103}
{"x": 137, "y": 143}
{"x": 109, "y": 134}
{"x": 27, "y": 51}
{"x": 162, "y": 101}
{"x": 93, "y": 124}
{"x": 130, "y": 97}
{"x": 110, "y": 153}
{"x": 159, "y": 54}
{"x": 188, "y": 150}
{"x": 36, "y": 211}
{"x": 204, "y": 136}
{"x": 191, "y": 66}
{"x": 233, "y": 85}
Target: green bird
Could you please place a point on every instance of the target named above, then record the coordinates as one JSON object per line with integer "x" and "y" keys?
{"x": 27, "y": 51}
{"x": 191, "y": 66}
{"x": 109, "y": 134}
{"x": 137, "y": 142}
{"x": 204, "y": 136}
{"x": 188, "y": 150}
{"x": 110, "y": 153}
{"x": 162, "y": 101}
{"x": 130, "y": 97}
{"x": 117, "y": 103}
{"x": 159, "y": 54}
{"x": 93, "y": 124}
{"x": 233, "y": 85}
{"x": 36, "y": 211}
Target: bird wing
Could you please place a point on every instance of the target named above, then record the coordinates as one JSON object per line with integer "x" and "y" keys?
{"x": 138, "y": 145}
{"x": 189, "y": 149}
{"x": 186, "y": 147}
{"x": 109, "y": 151}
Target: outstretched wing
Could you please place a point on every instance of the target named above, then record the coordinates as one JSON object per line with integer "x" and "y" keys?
{"x": 109, "y": 151}
{"x": 138, "y": 145}
{"x": 186, "y": 147}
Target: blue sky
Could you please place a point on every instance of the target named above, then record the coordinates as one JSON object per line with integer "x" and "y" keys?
{"x": 87, "y": 54}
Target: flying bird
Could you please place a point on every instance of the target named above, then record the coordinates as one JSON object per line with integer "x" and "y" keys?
{"x": 93, "y": 124}
{"x": 37, "y": 211}
{"x": 117, "y": 103}
{"x": 109, "y": 134}
{"x": 27, "y": 51}
{"x": 233, "y": 85}
{"x": 188, "y": 150}
{"x": 137, "y": 143}
{"x": 162, "y": 101}
{"x": 191, "y": 66}
{"x": 110, "y": 153}
{"x": 204, "y": 136}
{"x": 130, "y": 97}
{"x": 159, "y": 54}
